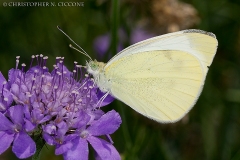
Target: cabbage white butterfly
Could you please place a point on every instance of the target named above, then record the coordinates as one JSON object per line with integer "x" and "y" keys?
{"x": 161, "y": 77}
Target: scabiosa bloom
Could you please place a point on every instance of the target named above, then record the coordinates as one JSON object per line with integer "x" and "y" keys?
{"x": 61, "y": 107}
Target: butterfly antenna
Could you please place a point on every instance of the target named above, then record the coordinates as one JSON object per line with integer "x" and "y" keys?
{"x": 81, "y": 51}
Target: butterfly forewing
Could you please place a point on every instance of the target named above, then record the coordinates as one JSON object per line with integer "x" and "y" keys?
{"x": 199, "y": 43}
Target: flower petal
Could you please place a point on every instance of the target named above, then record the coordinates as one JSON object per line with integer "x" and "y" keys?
{"x": 5, "y": 124}
{"x": 6, "y": 140}
{"x": 29, "y": 126}
{"x": 81, "y": 120}
{"x": 49, "y": 139}
{"x": 105, "y": 150}
{"x": 34, "y": 68}
{"x": 16, "y": 114}
{"x": 15, "y": 89}
{"x": 23, "y": 145}
{"x": 3, "y": 107}
{"x": 50, "y": 129}
{"x": 44, "y": 119}
{"x": 107, "y": 124}
{"x": 106, "y": 101}
{"x": 62, "y": 128}
{"x": 7, "y": 98}
{"x": 2, "y": 79}
{"x": 12, "y": 75}
{"x": 96, "y": 114}
{"x": 60, "y": 149}
{"x": 79, "y": 151}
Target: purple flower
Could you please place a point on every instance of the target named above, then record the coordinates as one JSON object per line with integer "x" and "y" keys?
{"x": 12, "y": 130}
{"x": 107, "y": 124}
{"x": 59, "y": 106}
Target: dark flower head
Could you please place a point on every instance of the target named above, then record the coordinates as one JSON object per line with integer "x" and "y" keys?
{"x": 62, "y": 107}
{"x": 102, "y": 43}
{"x": 139, "y": 34}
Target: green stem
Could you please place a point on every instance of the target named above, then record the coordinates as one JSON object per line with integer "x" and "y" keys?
{"x": 39, "y": 145}
{"x": 114, "y": 44}
{"x": 114, "y": 24}
{"x": 125, "y": 130}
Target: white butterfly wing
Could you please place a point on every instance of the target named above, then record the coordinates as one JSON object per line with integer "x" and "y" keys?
{"x": 162, "y": 85}
{"x": 162, "y": 77}
{"x": 196, "y": 42}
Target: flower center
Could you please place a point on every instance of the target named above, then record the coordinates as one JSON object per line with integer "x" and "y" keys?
{"x": 84, "y": 134}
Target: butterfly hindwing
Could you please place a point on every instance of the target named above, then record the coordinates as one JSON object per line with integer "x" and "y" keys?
{"x": 162, "y": 85}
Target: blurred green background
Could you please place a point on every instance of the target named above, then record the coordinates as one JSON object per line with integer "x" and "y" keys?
{"x": 211, "y": 130}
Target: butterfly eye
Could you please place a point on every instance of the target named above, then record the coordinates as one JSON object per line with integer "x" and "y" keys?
{"x": 93, "y": 66}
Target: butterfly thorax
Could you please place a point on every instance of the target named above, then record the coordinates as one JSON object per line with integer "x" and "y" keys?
{"x": 96, "y": 69}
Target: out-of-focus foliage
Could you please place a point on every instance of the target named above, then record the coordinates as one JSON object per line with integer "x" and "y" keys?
{"x": 212, "y": 128}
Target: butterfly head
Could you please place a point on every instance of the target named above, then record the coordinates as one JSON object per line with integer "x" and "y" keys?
{"x": 95, "y": 67}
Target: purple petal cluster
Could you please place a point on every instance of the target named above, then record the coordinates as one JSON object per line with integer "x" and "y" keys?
{"x": 62, "y": 107}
